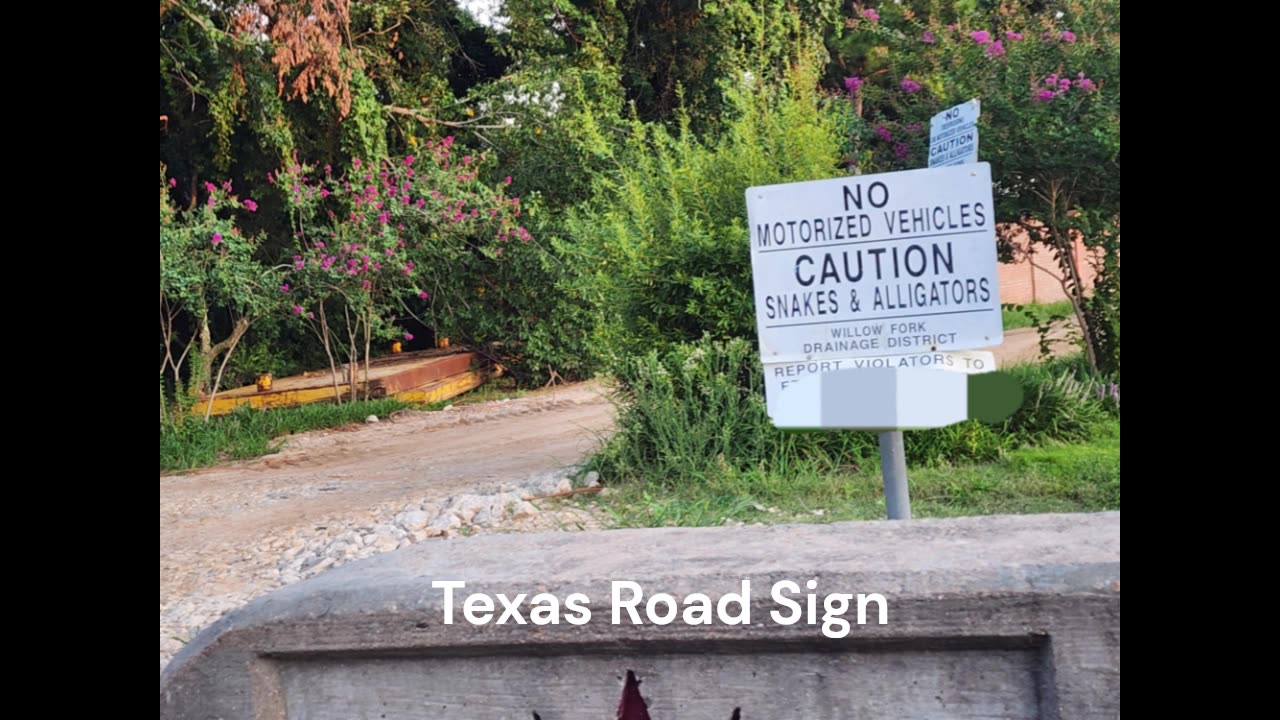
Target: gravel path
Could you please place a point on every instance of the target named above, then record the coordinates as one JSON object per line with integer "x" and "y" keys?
{"x": 232, "y": 533}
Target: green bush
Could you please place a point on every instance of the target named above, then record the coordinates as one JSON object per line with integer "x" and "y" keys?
{"x": 661, "y": 252}
{"x": 696, "y": 413}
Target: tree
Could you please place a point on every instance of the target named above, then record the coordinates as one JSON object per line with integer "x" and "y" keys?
{"x": 1049, "y": 83}
{"x": 207, "y": 267}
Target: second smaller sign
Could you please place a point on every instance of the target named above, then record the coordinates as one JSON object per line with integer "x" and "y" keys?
{"x": 953, "y": 135}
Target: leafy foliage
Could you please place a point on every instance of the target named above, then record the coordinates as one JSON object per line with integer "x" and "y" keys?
{"x": 661, "y": 252}
{"x": 1048, "y": 77}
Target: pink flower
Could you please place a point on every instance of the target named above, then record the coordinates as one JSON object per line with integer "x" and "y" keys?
{"x": 1068, "y": 37}
{"x": 995, "y": 49}
{"x": 284, "y": 288}
{"x": 408, "y": 336}
{"x": 311, "y": 316}
{"x": 357, "y": 162}
{"x": 507, "y": 180}
{"x": 1043, "y": 96}
{"x": 251, "y": 206}
{"x": 910, "y": 86}
{"x": 871, "y": 15}
{"x": 982, "y": 37}
{"x": 466, "y": 159}
{"x": 210, "y": 187}
{"x": 901, "y": 150}
{"x": 297, "y": 309}
{"x": 324, "y": 192}
{"x": 217, "y": 238}
{"x": 852, "y": 84}
{"x": 173, "y": 182}
{"x": 1011, "y": 35}
{"x": 423, "y": 295}
{"x": 408, "y": 159}
{"x": 883, "y": 133}
{"x": 928, "y": 38}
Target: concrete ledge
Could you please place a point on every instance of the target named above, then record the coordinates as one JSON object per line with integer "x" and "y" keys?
{"x": 991, "y": 617}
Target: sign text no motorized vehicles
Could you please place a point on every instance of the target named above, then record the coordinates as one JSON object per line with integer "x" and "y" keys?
{"x": 875, "y": 264}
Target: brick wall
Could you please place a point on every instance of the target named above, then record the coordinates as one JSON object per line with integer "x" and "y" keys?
{"x": 1034, "y": 276}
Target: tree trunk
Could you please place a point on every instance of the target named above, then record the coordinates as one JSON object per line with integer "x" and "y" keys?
{"x": 209, "y": 352}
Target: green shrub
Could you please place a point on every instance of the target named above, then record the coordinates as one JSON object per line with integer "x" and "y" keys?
{"x": 661, "y": 252}
{"x": 696, "y": 413}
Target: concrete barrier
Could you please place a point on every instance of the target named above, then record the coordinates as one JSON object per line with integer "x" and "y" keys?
{"x": 993, "y": 617}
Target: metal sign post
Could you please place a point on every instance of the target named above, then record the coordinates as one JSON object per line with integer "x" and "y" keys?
{"x": 893, "y": 465}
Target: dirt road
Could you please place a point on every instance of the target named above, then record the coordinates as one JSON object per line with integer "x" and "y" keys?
{"x": 223, "y": 530}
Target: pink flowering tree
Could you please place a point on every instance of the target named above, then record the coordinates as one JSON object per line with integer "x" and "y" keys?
{"x": 210, "y": 283}
{"x": 1049, "y": 84}
{"x": 419, "y": 236}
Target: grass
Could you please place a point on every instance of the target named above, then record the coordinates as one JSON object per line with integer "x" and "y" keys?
{"x": 248, "y": 433}
{"x": 1054, "y": 477}
{"x": 1023, "y": 316}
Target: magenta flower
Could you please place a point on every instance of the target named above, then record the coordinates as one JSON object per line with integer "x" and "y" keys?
{"x": 324, "y": 192}
{"x": 297, "y": 309}
{"x": 408, "y": 159}
{"x": 408, "y": 336}
{"x": 852, "y": 84}
{"x": 251, "y": 206}
{"x": 995, "y": 49}
{"x": 357, "y": 162}
{"x": 901, "y": 151}
{"x": 1011, "y": 35}
{"x": 311, "y": 316}
{"x": 928, "y": 38}
{"x": 912, "y": 128}
{"x": 217, "y": 238}
{"x": 1044, "y": 96}
{"x": 1068, "y": 37}
{"x": 507, "y": 180}
{"x": 423, "y": 295}
{"x": 871, "y": 15}
{"x": 284, "y": 288}
{"x": 173, "y": 182}
{"x": 210, "y": 187}
{"x": 884, "y": 134}
{"x": 982, "y": 37}
{"x": 910, "y": 86}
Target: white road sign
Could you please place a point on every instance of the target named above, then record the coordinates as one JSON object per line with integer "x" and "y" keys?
{"x": 871, "y": 265}
{"x": 953, "y": 135}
